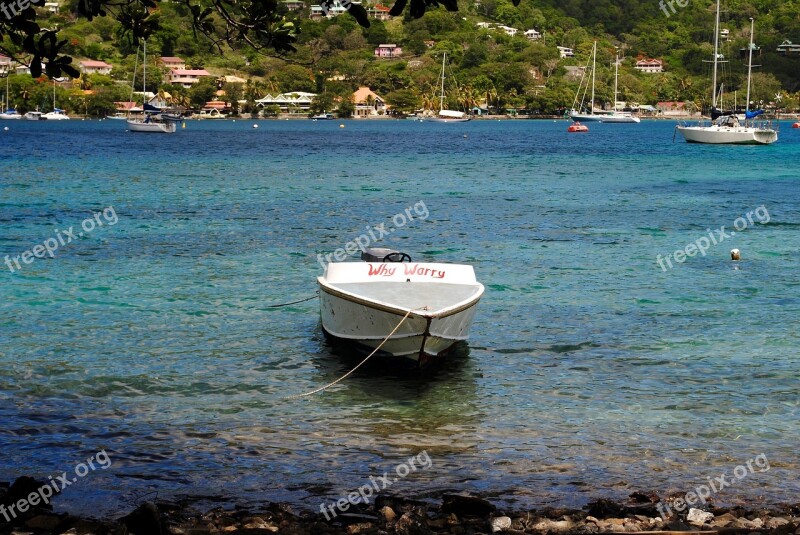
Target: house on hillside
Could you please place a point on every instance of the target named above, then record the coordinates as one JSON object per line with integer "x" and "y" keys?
{"x": 509, "y": 30}
{"x": 90, "y": 66}
{"x": 172, "y": 62}
{"x": 388, "y": 51}
{"x": 379, "y": 12}
{"x": 649, "y": 65}
{"x": 294, "y": 5}
{"x": 52, "y": 7}
{"x": 368, "y": 103}
{"x": 565, "y": 52}
{"x": 787, "y": 48}
{"x": 485, "y": 25}
{"x": 186, "y": 77}
{"x": 5, "y": 64}
{"x": 298, "y": 101}
{"x": 533, "y": 35}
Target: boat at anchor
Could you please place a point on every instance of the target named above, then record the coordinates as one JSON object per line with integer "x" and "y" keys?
{"x": 432, "y": 305}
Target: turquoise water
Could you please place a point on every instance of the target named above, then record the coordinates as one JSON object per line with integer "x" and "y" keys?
{"x": 591, "y": 371}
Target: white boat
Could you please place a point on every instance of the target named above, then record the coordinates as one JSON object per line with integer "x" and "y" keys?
{"x": 119, "y": 116}
{"x": 726, "y": 128}
{"x": 33, "y": 116}
{"x": 575, "y": 112}
{"x": 362, "y": 302}
{"x": 617, "y": 116}
{"x": 138, "y": 125}
{"x": 447, "y": 116}
{"x": 149, "y": 124}
{"x": 10, "y": 115}
{"x": 56, "y": 115}
{"x": 323, "y": 117}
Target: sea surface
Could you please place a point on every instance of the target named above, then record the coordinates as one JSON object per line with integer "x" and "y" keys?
{"x": 591, "y": 371}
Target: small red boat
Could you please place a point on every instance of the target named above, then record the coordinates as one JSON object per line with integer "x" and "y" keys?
{"x": 796, "y": 125}
{"x": 577, "y": 127}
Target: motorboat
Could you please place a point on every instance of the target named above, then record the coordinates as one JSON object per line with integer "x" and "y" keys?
{"x": 429, "y": 306}
{"x": 796, "y": 125}
{"x": 33, "y": 116}
{"x": 323, "y": 117}
{"x": 577, "y": 127}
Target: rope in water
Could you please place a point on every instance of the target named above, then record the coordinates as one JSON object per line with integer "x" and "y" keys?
{"x": 294, "y": 302}
{"x": 343, "y": 377}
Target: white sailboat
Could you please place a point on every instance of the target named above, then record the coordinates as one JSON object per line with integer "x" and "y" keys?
{"x": 149, "y": 124}
{"x": 726, "y": 128}
{"x": 447, "y": 116}
{"x": 618, "y": 116}
{"x": 9, "y": 114}
{"x": 575, "y": 113}
{"x": 57, "y": 114}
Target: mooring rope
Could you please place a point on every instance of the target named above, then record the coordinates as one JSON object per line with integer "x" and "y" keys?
{"x": 294, "y": 302}
{"x": 343, "y": 377}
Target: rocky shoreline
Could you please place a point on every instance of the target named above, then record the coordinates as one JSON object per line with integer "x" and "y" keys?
{"x": 453, "y": 514}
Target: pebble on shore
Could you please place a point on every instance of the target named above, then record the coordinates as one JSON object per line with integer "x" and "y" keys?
{"x": 457, "y": 515}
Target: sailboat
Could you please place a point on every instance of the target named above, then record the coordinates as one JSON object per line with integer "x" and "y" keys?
{"x": 149, "y": 124}
{"x": 726, "y": 128}
{"x": 57, "y": 114}
{"x": 617, "y": 116}
{"x": 575, "y": 113}
{"x": 447, "y": 116}
{"x": 9, "y": 113}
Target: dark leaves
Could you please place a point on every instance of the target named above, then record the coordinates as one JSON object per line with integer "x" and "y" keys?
{"x": 398, "y": 8}
{"x": 360, "y": 14}
{"x": 418, "y": 7}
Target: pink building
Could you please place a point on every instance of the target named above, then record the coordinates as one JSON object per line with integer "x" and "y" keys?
{"x": 186, "y": 77}
{"x": 388, "y": 51}
{"x": 90, "y": 66}
{"x": 172, "y": 62}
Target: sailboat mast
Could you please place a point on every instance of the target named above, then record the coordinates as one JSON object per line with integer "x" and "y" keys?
{"x": 716, "y": 58}
{"x": 144, "y": 73}
{"x": 616, "y": 79}
{"x": 594, "y": 62}
{"x": 749, "y": 67}
{"x": 441, "y": 95}
{"x": 54, "y": 94}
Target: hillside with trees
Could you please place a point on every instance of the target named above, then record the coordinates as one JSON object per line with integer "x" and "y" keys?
{"x": 334, "y": 56}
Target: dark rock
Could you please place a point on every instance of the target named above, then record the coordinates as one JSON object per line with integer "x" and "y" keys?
{"x": 45, "y": 522}
{"x": 411, "y": 524}
{"x": 144, "y": 520}
{"x": 604, "y": 508}
{"x": 675, "y": 525}
{"x": 466, "y": 505}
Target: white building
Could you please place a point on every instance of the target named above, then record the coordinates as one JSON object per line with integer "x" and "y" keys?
{"x": 649, "y": 65}
{"x": 533, "y": 35}
{"x": 565, "y": 52}
{"x": 90, "y": 66}
{"x": 509, "y": 30}
{"x": 298, "y": 100}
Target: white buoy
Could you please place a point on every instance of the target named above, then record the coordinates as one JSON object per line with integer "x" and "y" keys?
{"x": 735, "y": 254}
{"x": 5, "y": 129}
{"x": 255, "y": 126}
{"x": 341, "y": 126}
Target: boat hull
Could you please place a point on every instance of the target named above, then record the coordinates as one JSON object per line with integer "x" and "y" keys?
{"x": 447, "y": 119}
{"x": 584, "y": 117}
{"x": 727, "y": 135}
{"x": 358, "y": 310}
{"x": 154, "y": 128}
{"x": 620, "y": 119}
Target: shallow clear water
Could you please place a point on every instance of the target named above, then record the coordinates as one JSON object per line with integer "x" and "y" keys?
{"x": 590, "y": 372}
